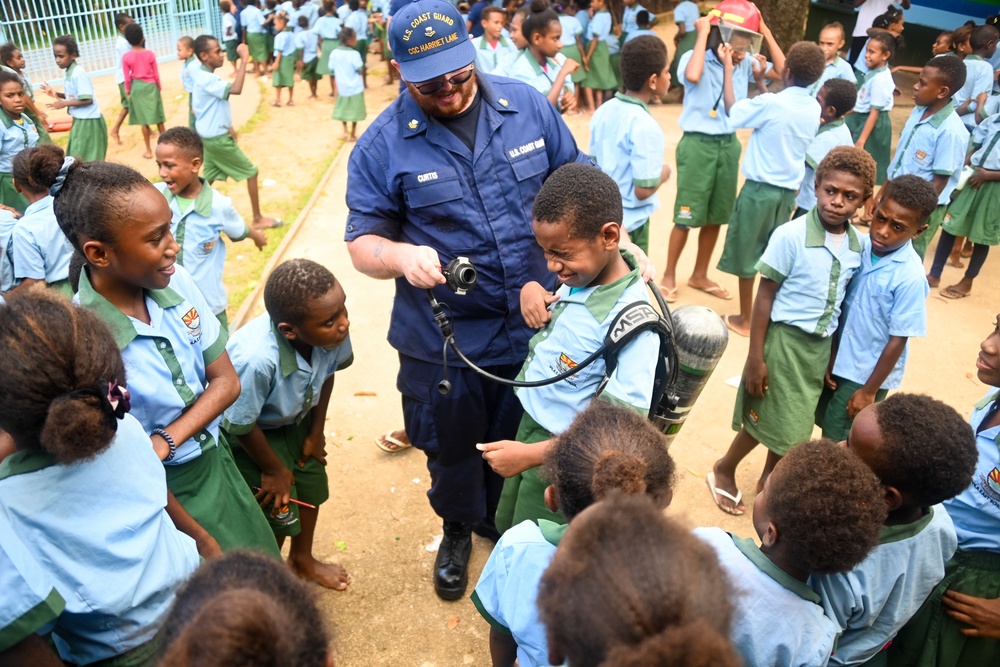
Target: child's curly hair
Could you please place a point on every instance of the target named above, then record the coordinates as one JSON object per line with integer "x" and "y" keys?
{"x": 849, "y": 160}
{"x": 805, "y": 62}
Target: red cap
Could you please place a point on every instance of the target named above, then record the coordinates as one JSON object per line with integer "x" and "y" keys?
{"x": 737, "y": 13}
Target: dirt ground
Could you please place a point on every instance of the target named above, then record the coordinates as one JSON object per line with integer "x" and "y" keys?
{"x": 378, "y": 522}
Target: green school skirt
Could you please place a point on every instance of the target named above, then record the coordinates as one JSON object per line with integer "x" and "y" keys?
{"x": 309, "y": 72}
{"x": 257, "y": 44}
{"x": 686, "y": 44}
{"x": 760, "y": 209}
{"x": 831, "y": 412}
{"x": 349, "y": 108}
{"x": 323, "y": 66}
{"x": 600, "y": 76}
{"x": 708, "y": 169}
{"x": 879, "y": 143}
{"x": 616, "y": 69}
{"x": 43, "y": 134}
{"x": 224, "y": 159}
{"x": 191, "y": 111}
{"x": 796, "y": 363}
{"x": 523, "y": 495}
{"x": 88, "y": 139}
{"x": 9, "y": 196}
{"x": 932, "y": 638}
{"x": 974, "y": 214}
{"x": 933, "y": 223}
{"x": 284, "y": 76}
{"x": 145, "y": 104}
{"x": 122, "y": 95}
{"x": 231, "y": 54}
{"x": 211, "y": 490}
{"x": 640, "y": 236}
{"x": 269, "y": 41}
{"x": 572, "y": 52}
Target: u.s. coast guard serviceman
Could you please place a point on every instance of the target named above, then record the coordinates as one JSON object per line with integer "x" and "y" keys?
{"x": 450, "y": 169}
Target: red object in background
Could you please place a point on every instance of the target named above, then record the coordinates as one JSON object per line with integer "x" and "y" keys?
{"x": 60, "y": 125}
{"x": 739, "y": 13}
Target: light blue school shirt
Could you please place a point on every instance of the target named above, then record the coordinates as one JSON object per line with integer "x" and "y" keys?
{"x": 198, "y": 231}
{"x": 328, "y": 26}
{"x": 252, "y": 20}
{"x": 310, "y": 11}
{"x": 627, "y": 143}
{"x": 507, "y": 590}
{"x": 583, "y": 16}
{"x": 39, "y": 248}
{"x": 101, "y": 529}
{"x": 166, "y": 359}
{"x": 872, "y": 602}
{"x": 838, "y": 69}
{"x": 308, "y": 42}
{"x": 15, "y": 138}
{"x": 343, "y": 11}
{"x": 78, "y": 86}
{"x": 345, "y": 65}
{"x": 641, "y": 32}
{"x": 934, "y": 146}
{"x": 210, "y": 103}
{"x": 7, "y": 224}
{"x": 829, "y": 136}
{"x": 687, "y": 12}
{"x": 571, "y": 28}
{"x": 284, "y": 44}
{"x": 784, "y": 124}
{"x": 490, "y": 59}
{"x": 580, "y": 321}
{"x": 30, "y": 603}
{"x": 984, "y": 140}
{"x": 358, "y": 21}
{"x": 279, "y": 387}
{"x": 629, "y": 14}
{"x": 187, "y": 80}
{"x": 600, "y": 28}
{"x": 778, "y": 619}
{"x": 978, "y": 80}
{"x": 121, "y": 48}
{"x": 524, "y": 67}
{"x": 700, "y": 99}
{"x": 229, "y": 27}
{"x": 976, "y": 511}
{"x": 885, "y": 298}
{"x": 812, "y": 273}
{"x": 876, "y": 91}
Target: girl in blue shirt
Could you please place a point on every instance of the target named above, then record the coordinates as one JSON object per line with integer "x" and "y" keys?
{"x": 601, "y": 76}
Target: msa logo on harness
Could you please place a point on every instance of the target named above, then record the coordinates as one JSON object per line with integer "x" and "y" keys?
{"x": 631, "y": 321}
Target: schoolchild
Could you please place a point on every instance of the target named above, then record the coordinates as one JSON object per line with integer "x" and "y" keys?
{"x": 255, "y": 26}
{"x": 285, "y": 57}
{"x": 572, "y": 42}
{"x": 979, "y": 74}
{"x": 12, "y": 60}
{"x": 933, "y": 141}
{"x": 708, "y": 153}
{"x": 17, "y": 133}
{"x": 686, "y": 13}
{"x": 870, "y": 124}
{"x": 819, "y": 512}
{"x": 39, "y": 251}
{"x": 199, "y": 216}
{"x": 831, "y": 41}
{"x": 804, "y": 274}
{"x": 643, "y": 20}
{"x": 600, "y": 44}
{"x": 307, "y": 44}
{"x": 328, "y": 28}
{"x": 347, "y": 69}
{"x": 942, "y": 46}
{"x": 606, "y": 450}
{"x": 185, "y": 54}
{"x": 924, "y": 453}
{"x": 117, "y": 562}
{"x": 142, "y": 83}
{"x": 597, "y": 280}
{"x": 836, "y": 98}
{"x": 88, "y": 138}
{"x": 784, "y": 125}
{"x": 943, "y": 633}
{"x": 122, "y": 47}
{"x": 286, "y": 359}
{"x": 230, "y": 35}
{"x": 214, "y": 122}
{"x": 625, "y": 140}
{"x": 630, "y": 18}
{"x": 306, "y": 8}
{"x": 972, "y": 212}
{"x": 493, "y": 50}
{"x": 357, "y": 20}
{"x": 180, "y": 377}
{"x": 537, "y": 66}
{"x": 884, "y": 307}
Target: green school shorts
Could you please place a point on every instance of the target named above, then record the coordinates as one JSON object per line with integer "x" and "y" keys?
{"x": 973, "y": 214}
{"x": 933, "y": 224}
{"x": 212, "y": 491}
{"x": 122, "y": 95}
{"x": 311, "y": 483}
{"x": 523, "y": 495}
{"x": 224, "y": 159}
{"x": 640, "y": 236}
{"x": 88, "y": 139}
{"x": 831, "y": 412}
{"x": 9, "y": 196}
{"x": 708, "y": 168}
{"x": 257, "y": 44}
{"x": 760, "y": 209}
{"x": 796, "y": 363}
{"x": 362, "y": 48}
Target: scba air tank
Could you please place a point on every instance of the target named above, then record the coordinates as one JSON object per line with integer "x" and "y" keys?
{"x": 700, "y": 338}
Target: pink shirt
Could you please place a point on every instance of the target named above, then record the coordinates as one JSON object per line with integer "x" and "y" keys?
{"x": 140, "y": 65}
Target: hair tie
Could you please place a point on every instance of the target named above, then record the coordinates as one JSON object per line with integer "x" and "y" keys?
{"x": 68, "y": 162}
{"x": 118, "y": 398}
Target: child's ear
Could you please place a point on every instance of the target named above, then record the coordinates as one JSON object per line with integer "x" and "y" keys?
{"x": 288, "y": 331}
{"x": 17, "y": 186}
{"x": 551, "y": 497}
{"x": 96, "y": 253}
{"x": 196, "y": 164}
{"x": 611, "y": 235}
{"x": 920, "y": 230}
{"x": 770, "y": 536}
{"x": 893, "y": 498}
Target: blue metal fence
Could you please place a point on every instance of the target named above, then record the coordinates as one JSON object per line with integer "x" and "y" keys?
{"x": 33, "y": 24}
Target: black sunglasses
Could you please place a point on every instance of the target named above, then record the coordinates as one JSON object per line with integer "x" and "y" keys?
{"x": 432, "y": 87}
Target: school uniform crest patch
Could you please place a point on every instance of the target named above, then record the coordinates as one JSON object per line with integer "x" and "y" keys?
{"x": 991, "y": 484}
{"x": 192, "y": 320}
{"x": 565, "y": 363}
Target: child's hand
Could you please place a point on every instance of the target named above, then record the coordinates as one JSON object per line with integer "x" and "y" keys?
{"x": 977, "y": 178}
{"x": 535, "y": 302}
{"x": 506, "y": 457}
{"x": 585, "y": 63}
{"x": 314, "y": 447}
{"x": 829, "y": 381}
{"x": 12, "y": 211}
{"x": 275, "y": 487}
{"x": 258, "y": 238}
{"x": 57, "y": 104}
{"x": 242, "y": 50}
{"x": 570, "y": 66}
{"x": 726, "y": 55}
{"x": 208, "y": 548}
{"x": 646, "y": 268}
{"x": 981, "y": 614}
{"x": 759, "y": 68}
{"x": 568, "y": 101}
{"x": 755, "y": 377}
{"x": 703, "y": 23}
{"x": 859, "y": 400}
{"x": 47, "y": 89}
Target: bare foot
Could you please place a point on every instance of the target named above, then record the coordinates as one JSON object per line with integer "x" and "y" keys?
{"x": 329, "y": 575}
{"x": 345, "y": 136}
{"x": 116, "y": 137}
{"x": 275, "y": 104}
{"x": 352, "y": 138}
{"x": 933, "y": 281}
{"x": 724, "y": 482}
{"x": 148, "y": 155}
{"x": 736, "y": 324}
{"x": 313, "y": 97}
{"x": 266, "y": 223}
{"x": 955, "y": 259}
{"x": 290, "y": 104}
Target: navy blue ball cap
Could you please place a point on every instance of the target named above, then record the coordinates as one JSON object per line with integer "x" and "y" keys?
{"x": 428, "y": 39}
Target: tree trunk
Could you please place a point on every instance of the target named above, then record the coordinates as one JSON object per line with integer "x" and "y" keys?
{"x": 786, "y": 19}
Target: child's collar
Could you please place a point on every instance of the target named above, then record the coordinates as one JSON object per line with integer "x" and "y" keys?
{"x": 753, "y": 553}
{"x": 121, "y": 326}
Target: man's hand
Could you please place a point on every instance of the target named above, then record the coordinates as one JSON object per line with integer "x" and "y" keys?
{"x": 421, "y": 266}
{"x": 535, "y": 302}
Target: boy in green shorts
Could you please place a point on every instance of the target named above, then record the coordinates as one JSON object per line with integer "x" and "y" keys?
{"x": 286, "y": 359}
{"x": 213, "y": 120}
{"x": 804, "y": 274}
